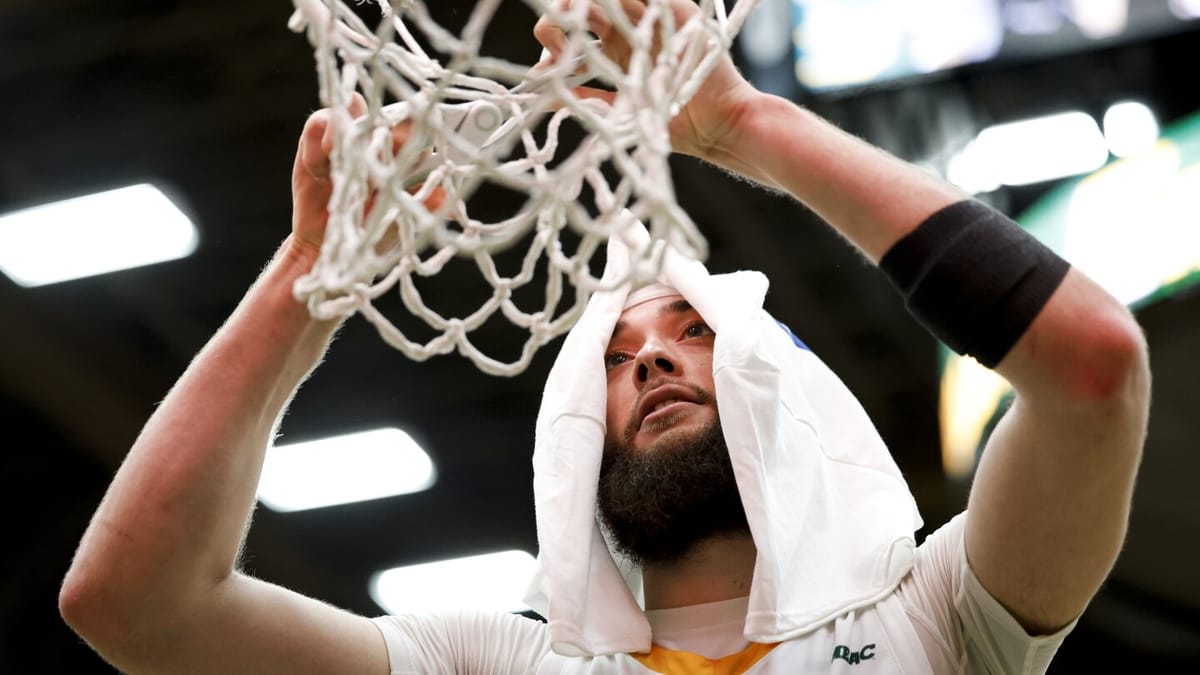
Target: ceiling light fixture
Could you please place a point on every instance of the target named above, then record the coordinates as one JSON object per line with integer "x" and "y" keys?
{"x": 1030, "y": 151}
{"x": 344, "y": 469}
{"x": 1185, "y": 9}
{"x": 84, "y": 236}
{"x": 766, "y": 37}
{"x": 1130, "y": 128}
{"x": 489, "y": 582}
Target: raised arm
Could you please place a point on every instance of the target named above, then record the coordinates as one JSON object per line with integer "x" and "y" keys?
{"x": 1050, "y": 502}
{"x": 154, "y": 585}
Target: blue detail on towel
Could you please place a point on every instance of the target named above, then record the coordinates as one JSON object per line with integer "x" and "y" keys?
{"x": 792, "y": 335}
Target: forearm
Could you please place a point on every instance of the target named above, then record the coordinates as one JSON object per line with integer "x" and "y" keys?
{"x": 864, "y": 193}
{"x": 1055, "y": 481}
{"x": 173, "y": 519}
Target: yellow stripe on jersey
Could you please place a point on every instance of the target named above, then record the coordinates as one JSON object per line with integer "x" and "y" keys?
{"x": 671, "y": 662}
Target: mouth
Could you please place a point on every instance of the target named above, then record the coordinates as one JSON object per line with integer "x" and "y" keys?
{"x": 665, "y": 401}
{"x": 663, "y": 411}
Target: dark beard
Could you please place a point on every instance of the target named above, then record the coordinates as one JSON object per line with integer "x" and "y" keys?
{"x": 658, "y": 503}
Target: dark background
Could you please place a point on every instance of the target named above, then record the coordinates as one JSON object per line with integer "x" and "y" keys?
{"x": 207, "y": 100}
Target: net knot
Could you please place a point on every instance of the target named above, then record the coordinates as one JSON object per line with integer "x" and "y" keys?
{"x": 540, "y": 328}
{"x": 502, "y": 289}
{"x": 455, "y": 329}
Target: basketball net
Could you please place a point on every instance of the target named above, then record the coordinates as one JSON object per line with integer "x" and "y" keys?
{"x": 395, "y": 215}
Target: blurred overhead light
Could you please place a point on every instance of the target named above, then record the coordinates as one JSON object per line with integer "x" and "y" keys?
{"x": 1030, "y": 151}
{"x": 970, "y": 394}
{"x": 1130, "y": 128}
{"x": 104, "y": 232}
{"x": 343, "y": 469}
{"x": 490, "y": 582}
{"x": 766, "y": 37}
{"x": 830, "y": 38}
{"x": 970, "y": 172}
{"x": 949, "y": 33}
{"x": 1133, "y": 227}
{"x": 1033, "y": 17}
{"x": 1185, "y": 9}
{"x": 846, "y": 43}
{"x": 1100, "y": 19}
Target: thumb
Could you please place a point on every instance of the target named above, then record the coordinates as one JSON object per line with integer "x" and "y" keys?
{"x": 312, "y": 157}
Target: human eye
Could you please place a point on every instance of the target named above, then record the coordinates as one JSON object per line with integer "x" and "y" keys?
{"x": 614, "y": 359}
{"x": 697, "y": 329}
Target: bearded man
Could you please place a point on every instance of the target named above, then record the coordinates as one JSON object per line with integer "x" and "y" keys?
{"x": 720, "y": 474}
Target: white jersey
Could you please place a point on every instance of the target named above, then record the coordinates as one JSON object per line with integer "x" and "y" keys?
{"x": 939, "y": 620}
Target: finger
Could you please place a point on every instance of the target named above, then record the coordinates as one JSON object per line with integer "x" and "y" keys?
{"x": 551, "y": 36}
{"x": 400, "y": 135}
{"x": 604, "y": 25}
{"x": 599, "y": 23}
{"x": 327, "y": 136}
{"x": 436, "y": 198}
{"x": 312, "y": 156}
{"x": 358, "y": 105}
{"x": 595, "y": 94}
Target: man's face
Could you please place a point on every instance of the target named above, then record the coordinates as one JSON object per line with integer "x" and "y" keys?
{"x": 660, "y": 380}
{"x": 666, "y": 481}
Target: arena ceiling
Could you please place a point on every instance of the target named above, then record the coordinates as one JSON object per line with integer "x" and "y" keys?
{"x": 207, "y": 100}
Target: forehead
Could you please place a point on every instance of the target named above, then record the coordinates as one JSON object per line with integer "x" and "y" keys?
{"x": 646, "y": 314}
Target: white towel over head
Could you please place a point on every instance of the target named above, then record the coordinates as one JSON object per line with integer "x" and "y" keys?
{"x": 830, "y": 514}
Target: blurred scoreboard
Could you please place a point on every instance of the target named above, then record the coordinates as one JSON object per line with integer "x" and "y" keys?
{"x": 849, "y": 43}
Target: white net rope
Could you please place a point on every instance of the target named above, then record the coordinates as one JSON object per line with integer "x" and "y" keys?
{"x": 399, "y": 214}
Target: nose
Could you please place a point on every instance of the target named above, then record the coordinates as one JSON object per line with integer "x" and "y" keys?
{"x": 654, "y": 358}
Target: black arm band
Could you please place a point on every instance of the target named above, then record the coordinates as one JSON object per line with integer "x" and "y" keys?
{"x": 974, "y": 278}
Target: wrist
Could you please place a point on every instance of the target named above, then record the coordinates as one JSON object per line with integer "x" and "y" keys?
{"x": 299, "y": 254}
{"x": 738, "y": 145}
{"x": 273, "y": 292}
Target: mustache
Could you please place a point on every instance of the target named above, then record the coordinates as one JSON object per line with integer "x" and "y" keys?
{"x": 703, "y": 397}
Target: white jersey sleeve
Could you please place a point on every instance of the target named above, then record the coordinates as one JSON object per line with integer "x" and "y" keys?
{"x": 959, "y": 623}
{"x": 463, "y": 643}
